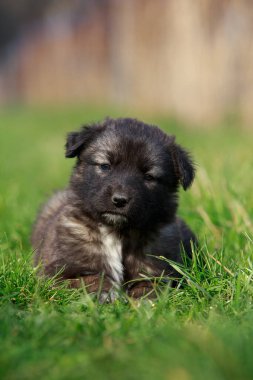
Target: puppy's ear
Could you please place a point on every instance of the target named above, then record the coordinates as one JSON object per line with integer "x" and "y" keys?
{"x": 76, "y": 141}
{"x": 74, "y": 144}
{"x": 183, "y": 165}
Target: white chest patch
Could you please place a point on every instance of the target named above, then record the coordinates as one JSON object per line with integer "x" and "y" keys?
{"x": 112, "y": 249}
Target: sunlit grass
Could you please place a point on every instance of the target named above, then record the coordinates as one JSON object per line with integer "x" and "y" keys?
{"x": 200, "y": 329}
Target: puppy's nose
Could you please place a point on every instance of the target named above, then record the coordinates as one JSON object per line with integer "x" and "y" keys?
{"x": 119, "y": 200}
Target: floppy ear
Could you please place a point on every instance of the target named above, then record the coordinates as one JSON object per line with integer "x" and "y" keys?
{"x": 183, "y": 165}
{"x": 74, "y": 144}
{"x": 76, "y": 141}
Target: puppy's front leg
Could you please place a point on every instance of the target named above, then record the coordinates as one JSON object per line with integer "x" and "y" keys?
{"x": 139, "y": 273}
{"x": 97, "y": 284}
{"x": 141, "y": 289}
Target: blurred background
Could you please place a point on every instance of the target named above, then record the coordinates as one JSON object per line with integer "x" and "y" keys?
{"x": 189, "y": 59}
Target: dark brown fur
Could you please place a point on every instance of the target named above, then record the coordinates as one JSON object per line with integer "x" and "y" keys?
{"x": 118, "y": 215}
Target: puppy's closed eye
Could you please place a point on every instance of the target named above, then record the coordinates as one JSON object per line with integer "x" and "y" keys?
{"x": 104, "y": 167}
{"x": 149, "y": 177}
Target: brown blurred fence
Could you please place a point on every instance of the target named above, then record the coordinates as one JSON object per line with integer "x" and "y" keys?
{"x": 193, "y": 58}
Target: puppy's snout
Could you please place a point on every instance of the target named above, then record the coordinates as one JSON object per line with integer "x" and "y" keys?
{"x": 120, "y": 200}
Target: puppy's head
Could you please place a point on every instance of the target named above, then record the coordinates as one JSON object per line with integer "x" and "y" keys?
{"x": 128, "y": 173}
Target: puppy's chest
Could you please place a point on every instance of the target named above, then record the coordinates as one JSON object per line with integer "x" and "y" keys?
{"x": 111, "y": 246}
{"x": 123, "y": 260}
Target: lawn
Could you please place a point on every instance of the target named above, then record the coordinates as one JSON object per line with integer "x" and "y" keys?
{"x": 203, "y": 329}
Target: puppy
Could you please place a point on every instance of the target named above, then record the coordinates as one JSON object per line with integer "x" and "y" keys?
{"x": 118, "y": 214}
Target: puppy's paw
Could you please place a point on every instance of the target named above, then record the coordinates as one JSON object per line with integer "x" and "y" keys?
{"x": 91, "y": 282}
{"x": 142, "y": 289}
{"x": 108, "y": 296}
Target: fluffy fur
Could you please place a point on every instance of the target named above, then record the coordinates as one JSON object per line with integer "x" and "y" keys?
{"x": 118, "y": 213}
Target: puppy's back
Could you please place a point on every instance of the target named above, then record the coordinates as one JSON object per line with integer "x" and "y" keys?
{"x": 43, "y": 227}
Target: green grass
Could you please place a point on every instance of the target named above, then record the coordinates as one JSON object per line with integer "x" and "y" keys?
{"x": 203, "y": 330}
